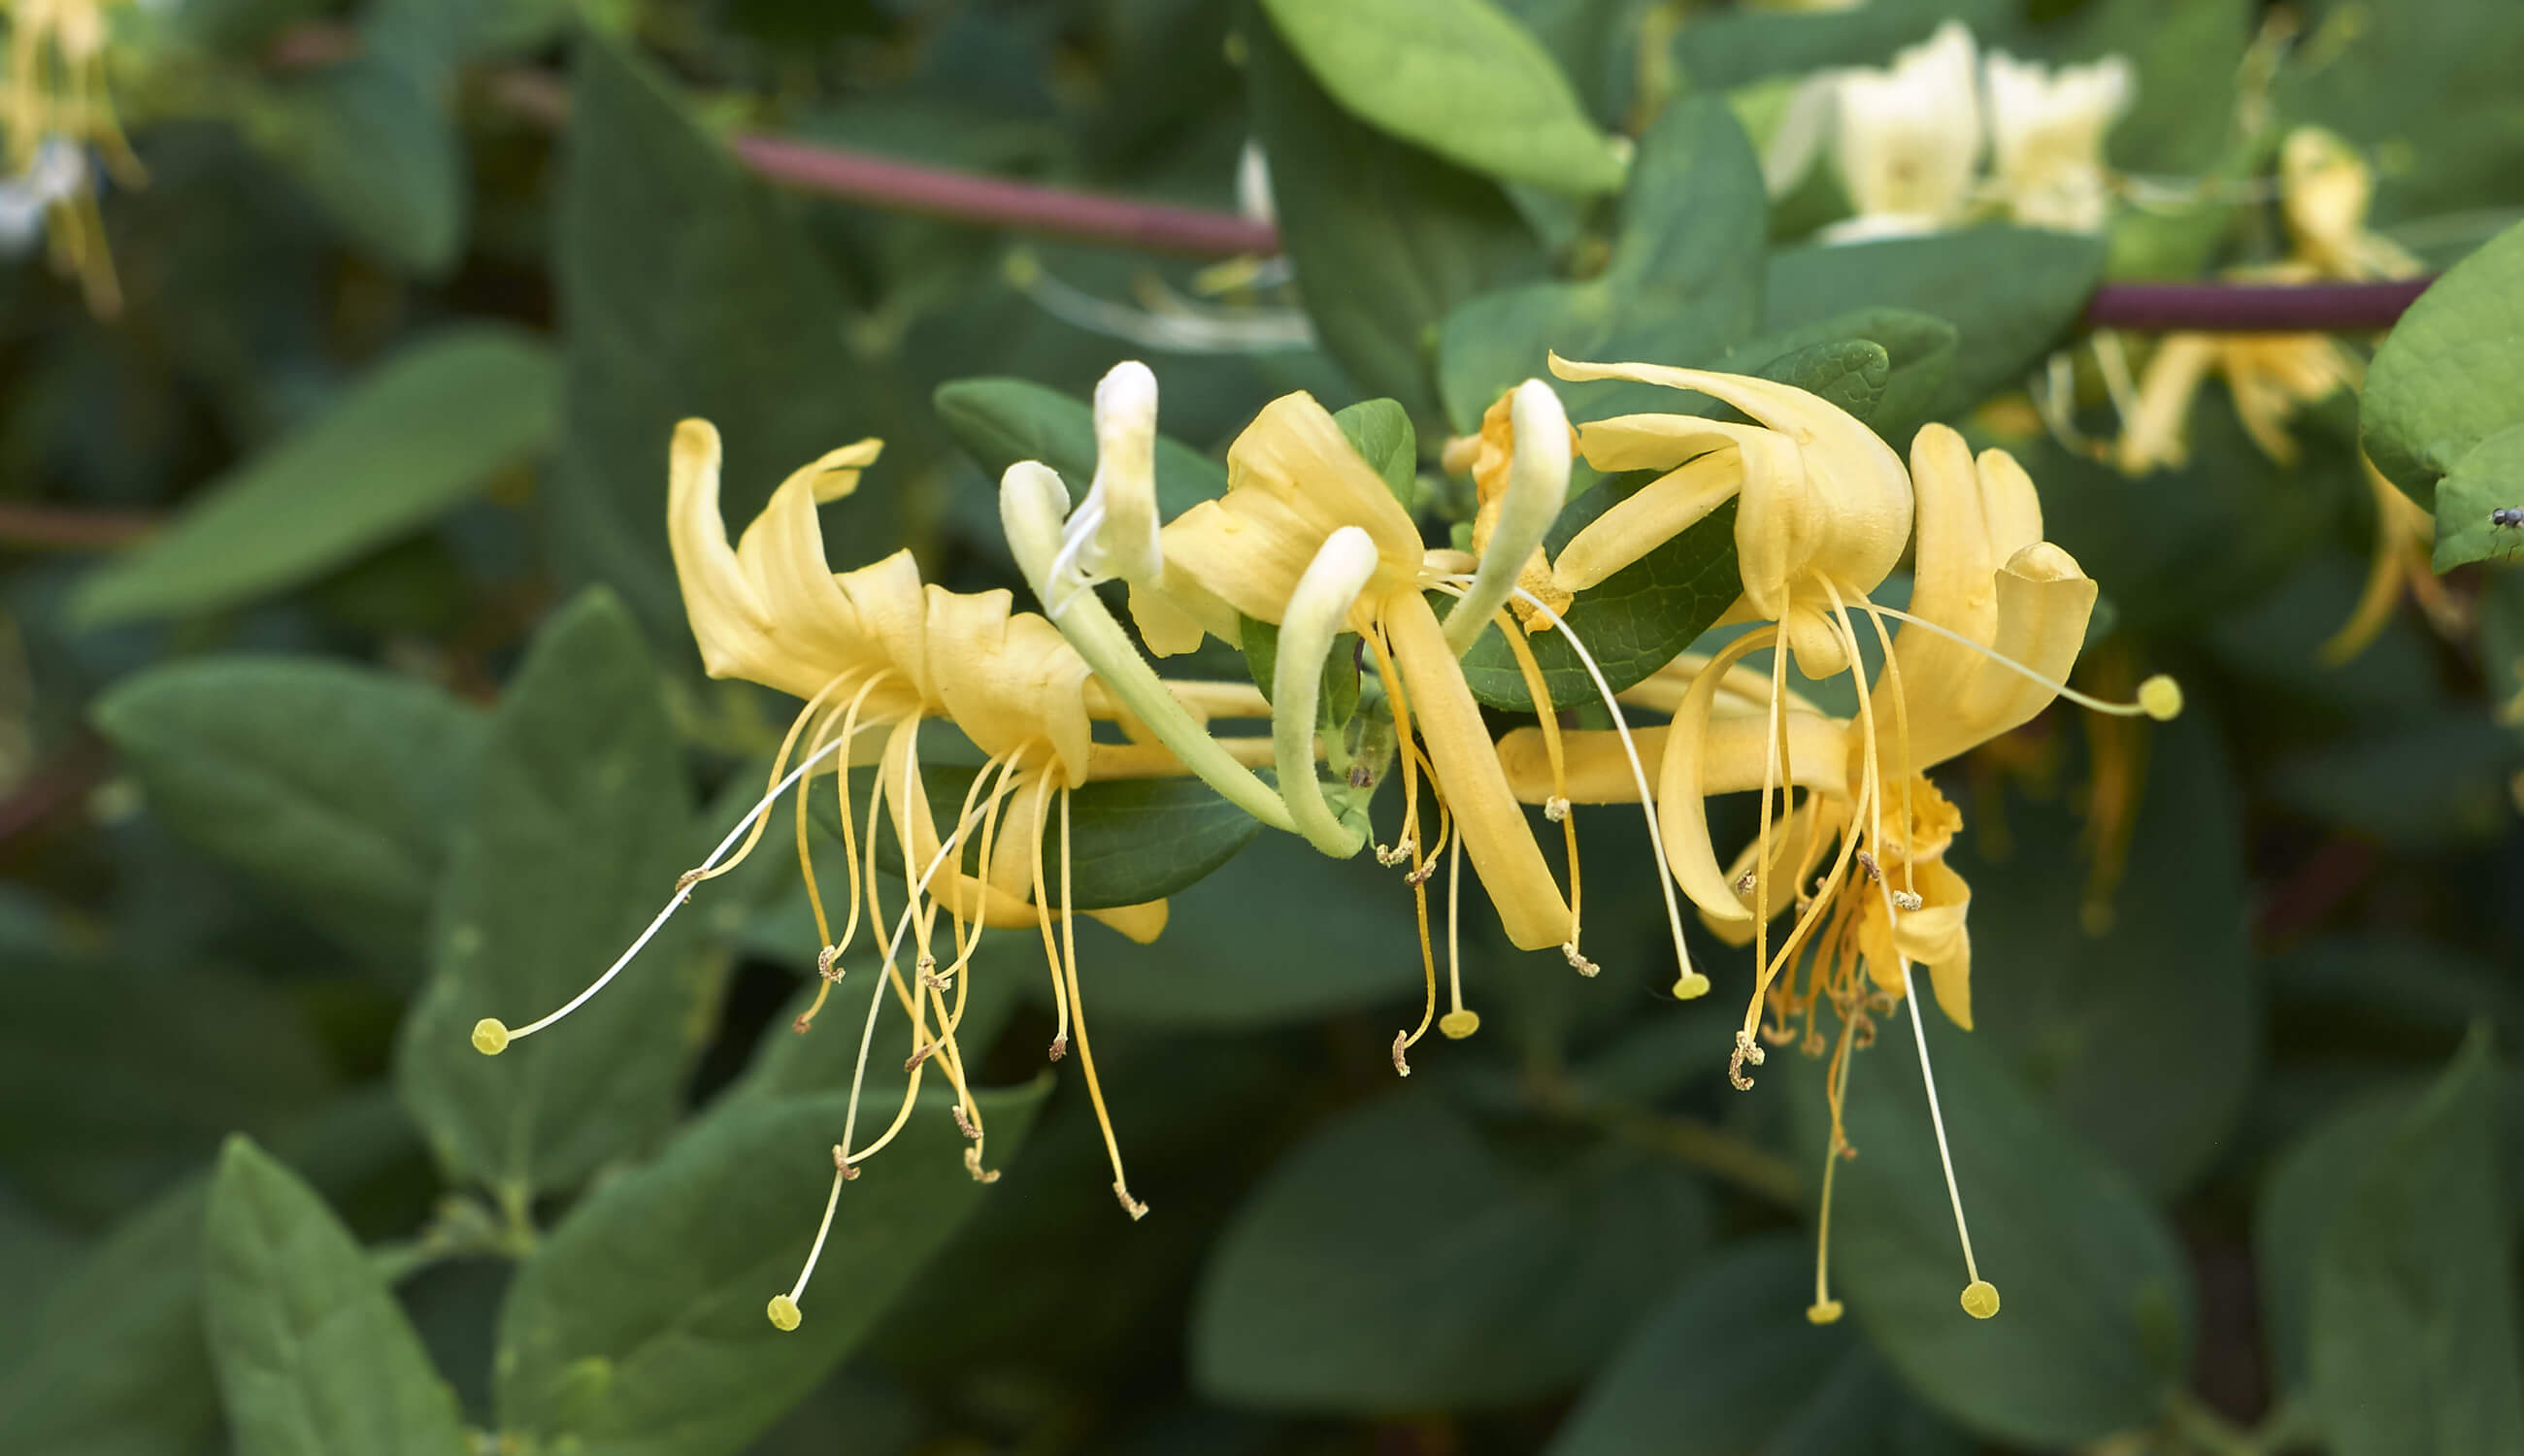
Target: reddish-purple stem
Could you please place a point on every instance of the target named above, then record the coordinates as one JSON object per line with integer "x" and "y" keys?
{"x": 2255, "y": 307}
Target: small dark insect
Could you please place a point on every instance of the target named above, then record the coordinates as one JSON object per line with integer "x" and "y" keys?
{"x": 2508, "y": 517}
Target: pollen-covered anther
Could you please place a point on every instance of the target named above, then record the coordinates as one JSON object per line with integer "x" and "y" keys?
{"x": 963, "y": 1124}
{"x": 1400, "y": 851}
{"x": 1866, "y": 862}
{"x": 1745, "y": 881}
{"x": 803, "y": 1024}
{"x": 1907, "y": 899}
{"x": 1555, "y": 808}
{"x": 685, "y": 882}
{"x": 828, "y": 964}
{"x": 1130, "y": 1205}
{"x": 841, "y": 1164}
{"x": 1421, "y": 875}
{"x": 973, "y": 1165}
{"x": 1402, "y": 1063}
{"x": 1060, "y": 1047}
{"x": 1746, "y": 1051}
{"x": 936, "y": 981}
{"x": 927, "y": 1051}
{"x": 1576, "y": 962}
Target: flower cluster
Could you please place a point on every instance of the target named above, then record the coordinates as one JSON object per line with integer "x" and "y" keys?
{"x": 1842, "y": 892}
{"x": 55, "y": 107}
{"x": 1910, "y": 139}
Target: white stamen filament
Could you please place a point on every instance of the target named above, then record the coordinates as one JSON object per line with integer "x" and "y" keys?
{"x": 2140, "y": 708}
{"x": 1688, "y": 983}
{"x": 1937, "y": 1119}
{"x": 867, "y": 1038}
{"x": 683, "y": 891}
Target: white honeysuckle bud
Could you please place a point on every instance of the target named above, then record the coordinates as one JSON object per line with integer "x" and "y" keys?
{"x": 1537, "y": 486}
{"x": 1124, "y": 497}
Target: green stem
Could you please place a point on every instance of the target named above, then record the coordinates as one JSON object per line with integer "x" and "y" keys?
{"x": 1730, "y": 1158}
{"x": 1032, "y": 501}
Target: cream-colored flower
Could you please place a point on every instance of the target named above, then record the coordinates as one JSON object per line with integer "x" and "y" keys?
{"x": 1908, "y": 138}
{"x": 2047, "y": 133}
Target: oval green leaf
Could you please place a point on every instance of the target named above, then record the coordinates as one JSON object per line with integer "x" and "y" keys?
{"x": 422, "y": 432}
{"x": 1461, "y": 77}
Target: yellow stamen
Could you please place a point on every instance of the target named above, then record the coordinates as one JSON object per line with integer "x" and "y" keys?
{"x": 1688, "y": 983}
{"x": 1547, "y": 719}
{"x": 1458, "y": 1023}
{"x": 1077, "y": 1010}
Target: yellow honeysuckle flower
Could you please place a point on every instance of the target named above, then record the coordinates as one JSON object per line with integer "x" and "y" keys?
{"x": 1823, "y": 514}
{"x": 2326, "y": 188}
{"x": 55, "y": 105}
{"x": 1307, "y": 538}
{"x": 875, "y": 653}
{"x": 1997, "y": 618}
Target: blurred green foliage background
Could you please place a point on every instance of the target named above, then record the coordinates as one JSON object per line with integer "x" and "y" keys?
{"x": 343, "y": 688}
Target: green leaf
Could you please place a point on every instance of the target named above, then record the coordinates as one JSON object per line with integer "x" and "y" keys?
{"x": 2297, "y": 1203}
{"x": 1285, "y": 934}
{"x": 2011, "y": 293}
{"x": 1730, "y": 1366}
{"x": 422, "y": 432}
{"x": 1633, "y": 622}
{"x": 2489, "y": 477}
{"x": 1002, "y": 421}
{"x": 2156, "y": 973}
{"x": 1736, "y": 46}
{"x": 1460, "y": 78}
{"x": 1260, "y": 642}
{"x": 1400, "y": 1260}
{"x": 118, "y": 1365}
{"x": 2435, "y": 105}
{"x": 2095, "y": 1328}
{"x": 314, "y": 1356}
{"x": 1130, "y": 839}
{"x": 580, "y": 823}
{"x": 2451, "y": 374}
{"x": 337, "y": 788}
{"x": 1386, "y": 239}
{"x": 1834, "y": 358}
{"x": 120, "y": 1368}
{"x": 141, "y": 1069}
{"x": 1684, "y": 283}
{"x": 679, "y": 1358}
{"x": 686, "y": 289}
{"x": 1381, "y": 432}
{"x": 379, "y": 151}
{"x": 2413, "y": 1346}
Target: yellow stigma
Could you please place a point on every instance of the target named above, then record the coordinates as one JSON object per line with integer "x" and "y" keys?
{"x": 784, "y": 1312}
{"x": 1690, "y": 986}
{"x": 490, "y": 1036}
{"x": 1457, "y": 1024}
{"x": 1824, "y": 1312}
{"x": 1981, "y": 1296}
{"x": 2161, "y": 697}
